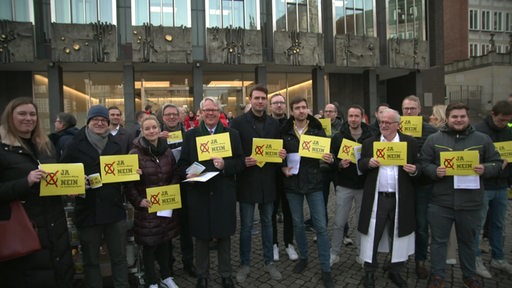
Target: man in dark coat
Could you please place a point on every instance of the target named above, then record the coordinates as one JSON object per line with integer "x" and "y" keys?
{"x": 388, "y": 193}
{"x": 65, "y": 130}
{"x": 496, "y": 191}
{"x": 124, "y": 136}
{"x": 306, "y": 183}
{"x": 100, "y": 215}
{"x": 411, "y": 106}
{"x": 212, "y": 204}
{"x": 255, "y": 184}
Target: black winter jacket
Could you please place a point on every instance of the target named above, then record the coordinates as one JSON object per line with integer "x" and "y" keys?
{"x": 52, "y": 266}
{"x": 309, "y": 178}
{"x": 103, "y": 205}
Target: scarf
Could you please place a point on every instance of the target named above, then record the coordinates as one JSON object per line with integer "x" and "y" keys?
{"x": 98, "y": 141}
{"x": 205, "y": 131}
{"x": 158, "y": 150}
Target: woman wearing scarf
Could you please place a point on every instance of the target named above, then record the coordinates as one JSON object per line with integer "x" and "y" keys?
{"x": 153, "y": 231}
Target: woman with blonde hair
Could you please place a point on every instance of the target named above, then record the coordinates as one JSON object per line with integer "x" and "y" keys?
{"x": 438, "y": 117}
{"x": 24, "y": 146}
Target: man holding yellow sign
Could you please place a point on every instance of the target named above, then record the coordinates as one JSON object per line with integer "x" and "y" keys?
{"x": 303, "y": 180}
{"x": 388, "y": 202}
{"x": 212, "y": 204}
{"x": 457, "y": 199}
{"x": 255, "y": 184}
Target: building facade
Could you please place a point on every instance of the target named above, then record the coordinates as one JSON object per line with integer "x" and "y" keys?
{"x": 71, "y": 54}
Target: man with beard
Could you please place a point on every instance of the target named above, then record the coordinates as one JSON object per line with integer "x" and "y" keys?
{"x": 451, "y": 204}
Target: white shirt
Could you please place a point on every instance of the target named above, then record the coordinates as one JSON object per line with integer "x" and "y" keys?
{"x": 388, "y": 175}
{"x": 114, "y": 131}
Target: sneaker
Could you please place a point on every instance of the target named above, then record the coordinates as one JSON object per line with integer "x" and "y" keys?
{"x": 481, "y": 269}
{"x": 472, "y": 282}
{"x": 272, "y": 270}
{"x": 334, "y": 259}
{"x": 435, "y": 282}
{"x": 292, "y": 254}
{"x": 168, "y": 283}
{"x": 327, "y": 280}
{"x": 242, "y": 274}
{"x": 276, "y": 252}
{"x": 502, "y": 265}
{"x": 314, "y": 238}
{"x": 153, "y": 286}
{"x": 451, "y": 261}
{"x": 347, "y": 241}
{"x": 484, "y": 246}
{"x": 359, "y": 260}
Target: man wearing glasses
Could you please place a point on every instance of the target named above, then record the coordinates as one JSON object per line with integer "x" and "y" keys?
{"x": 388, "y": 199}
{"x": 411, "y": 106}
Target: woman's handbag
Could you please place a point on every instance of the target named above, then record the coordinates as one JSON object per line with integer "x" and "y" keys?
{"x": 18, "y": 236}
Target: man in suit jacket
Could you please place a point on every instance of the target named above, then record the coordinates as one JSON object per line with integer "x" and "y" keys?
{"x": 388, "y": 193}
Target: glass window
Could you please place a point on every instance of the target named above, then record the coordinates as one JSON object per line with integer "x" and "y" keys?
{"x": 473, "y": 49}
{"x": 157, "y": 89}
{"x": 231, "y": 89}
{"x": 297, "y": 15}
{"x": 473, "y": 19}
{"x": 498, "y": 21}
{"x": 17, "y": 10}
{"x": 508, "y": 22}
{"x": 170, "y": 13}
{"x": 406, "y": 19}
{"x": 291, "y": 85}
{"x": 233, "y": 13}
{"x": 354, "y": 17}
{"x": 83, "y": 11}
{"x": 486, "y": 20}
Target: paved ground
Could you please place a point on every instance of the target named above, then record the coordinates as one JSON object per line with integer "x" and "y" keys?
{"x": 346, "y": 273}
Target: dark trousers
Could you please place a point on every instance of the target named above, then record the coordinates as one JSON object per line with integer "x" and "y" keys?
{"x": 386, "y": 207}
{"x": 223, "y": 257}
{"x": 287, "y": 216}
{"x": 159, "y": 253}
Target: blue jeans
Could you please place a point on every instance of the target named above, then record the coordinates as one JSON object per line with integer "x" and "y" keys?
{"x": 246, "y": 222}
{"x": 496, "y": 201}
{"x": 442, "y": 219}
{"x": 422, "y": 199}
{"x": 317, "y": 212}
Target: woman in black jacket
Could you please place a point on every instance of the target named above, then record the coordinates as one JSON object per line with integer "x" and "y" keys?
{"x": 24, "y": 147}
{"x": 152, "y": 231}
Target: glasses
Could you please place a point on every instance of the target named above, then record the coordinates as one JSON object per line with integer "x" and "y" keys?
{"x": 386, "y": 123}
{"x": 99, "y": 120}
{"x": 210, "y": 110}
{"x": 171, "y": 115}
{"x": 278, "y": 103}
{"x": 329, "y": 111}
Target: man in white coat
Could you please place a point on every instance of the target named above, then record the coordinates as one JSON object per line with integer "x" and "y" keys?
{"x": 388, "y": 203}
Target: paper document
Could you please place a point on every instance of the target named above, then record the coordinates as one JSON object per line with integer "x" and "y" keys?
{"x": 203, "y": 177}
{"x": 164, "y": 213}
{"x": 293, "y": 161}
{"x": 195, "y": 168}
{"x": 466, "y": 182}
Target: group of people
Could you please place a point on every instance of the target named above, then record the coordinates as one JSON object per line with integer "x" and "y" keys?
{"x": 403, "y": 209}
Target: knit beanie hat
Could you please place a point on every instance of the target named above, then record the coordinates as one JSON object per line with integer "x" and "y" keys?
{"x": 97, "y": 111}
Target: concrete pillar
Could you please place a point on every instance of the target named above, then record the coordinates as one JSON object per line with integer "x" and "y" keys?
{"x": 129, "y": 95}
{"x": 197, "y": 88}
{"x": 261, "y": 75}
{"x": 55, "y": 92}
{"x": 319, "y": 100}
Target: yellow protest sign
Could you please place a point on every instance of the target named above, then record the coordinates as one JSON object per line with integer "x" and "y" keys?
{"x": 119, "y": 168}
{"x": 390, "y": 153}
{"x": 505, "y": 149}
{"x": 267, "y": 150}
{"x": 174, "y": 137}
{"x": 216, "y": 145}
{"x": 347, "y": 150}
{"x": 164, "y": 198}
{"x": 459, "y": 163}
{"x": 326, "y": 124}
{"x": 314, "y": 146}
{"x": 411, "y": 125}
{"x": 62, "y": 179}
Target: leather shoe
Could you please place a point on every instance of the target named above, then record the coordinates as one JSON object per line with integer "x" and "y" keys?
{"x": 190, "y": 269}
{"x": 300, "y": 266}
{"x": 369, "y": 280}
{"x": 227, "y": 282}
{"x": 202, "y": 283}
{"x": 396, "y": 278}
{"x": 421, "y": 270}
